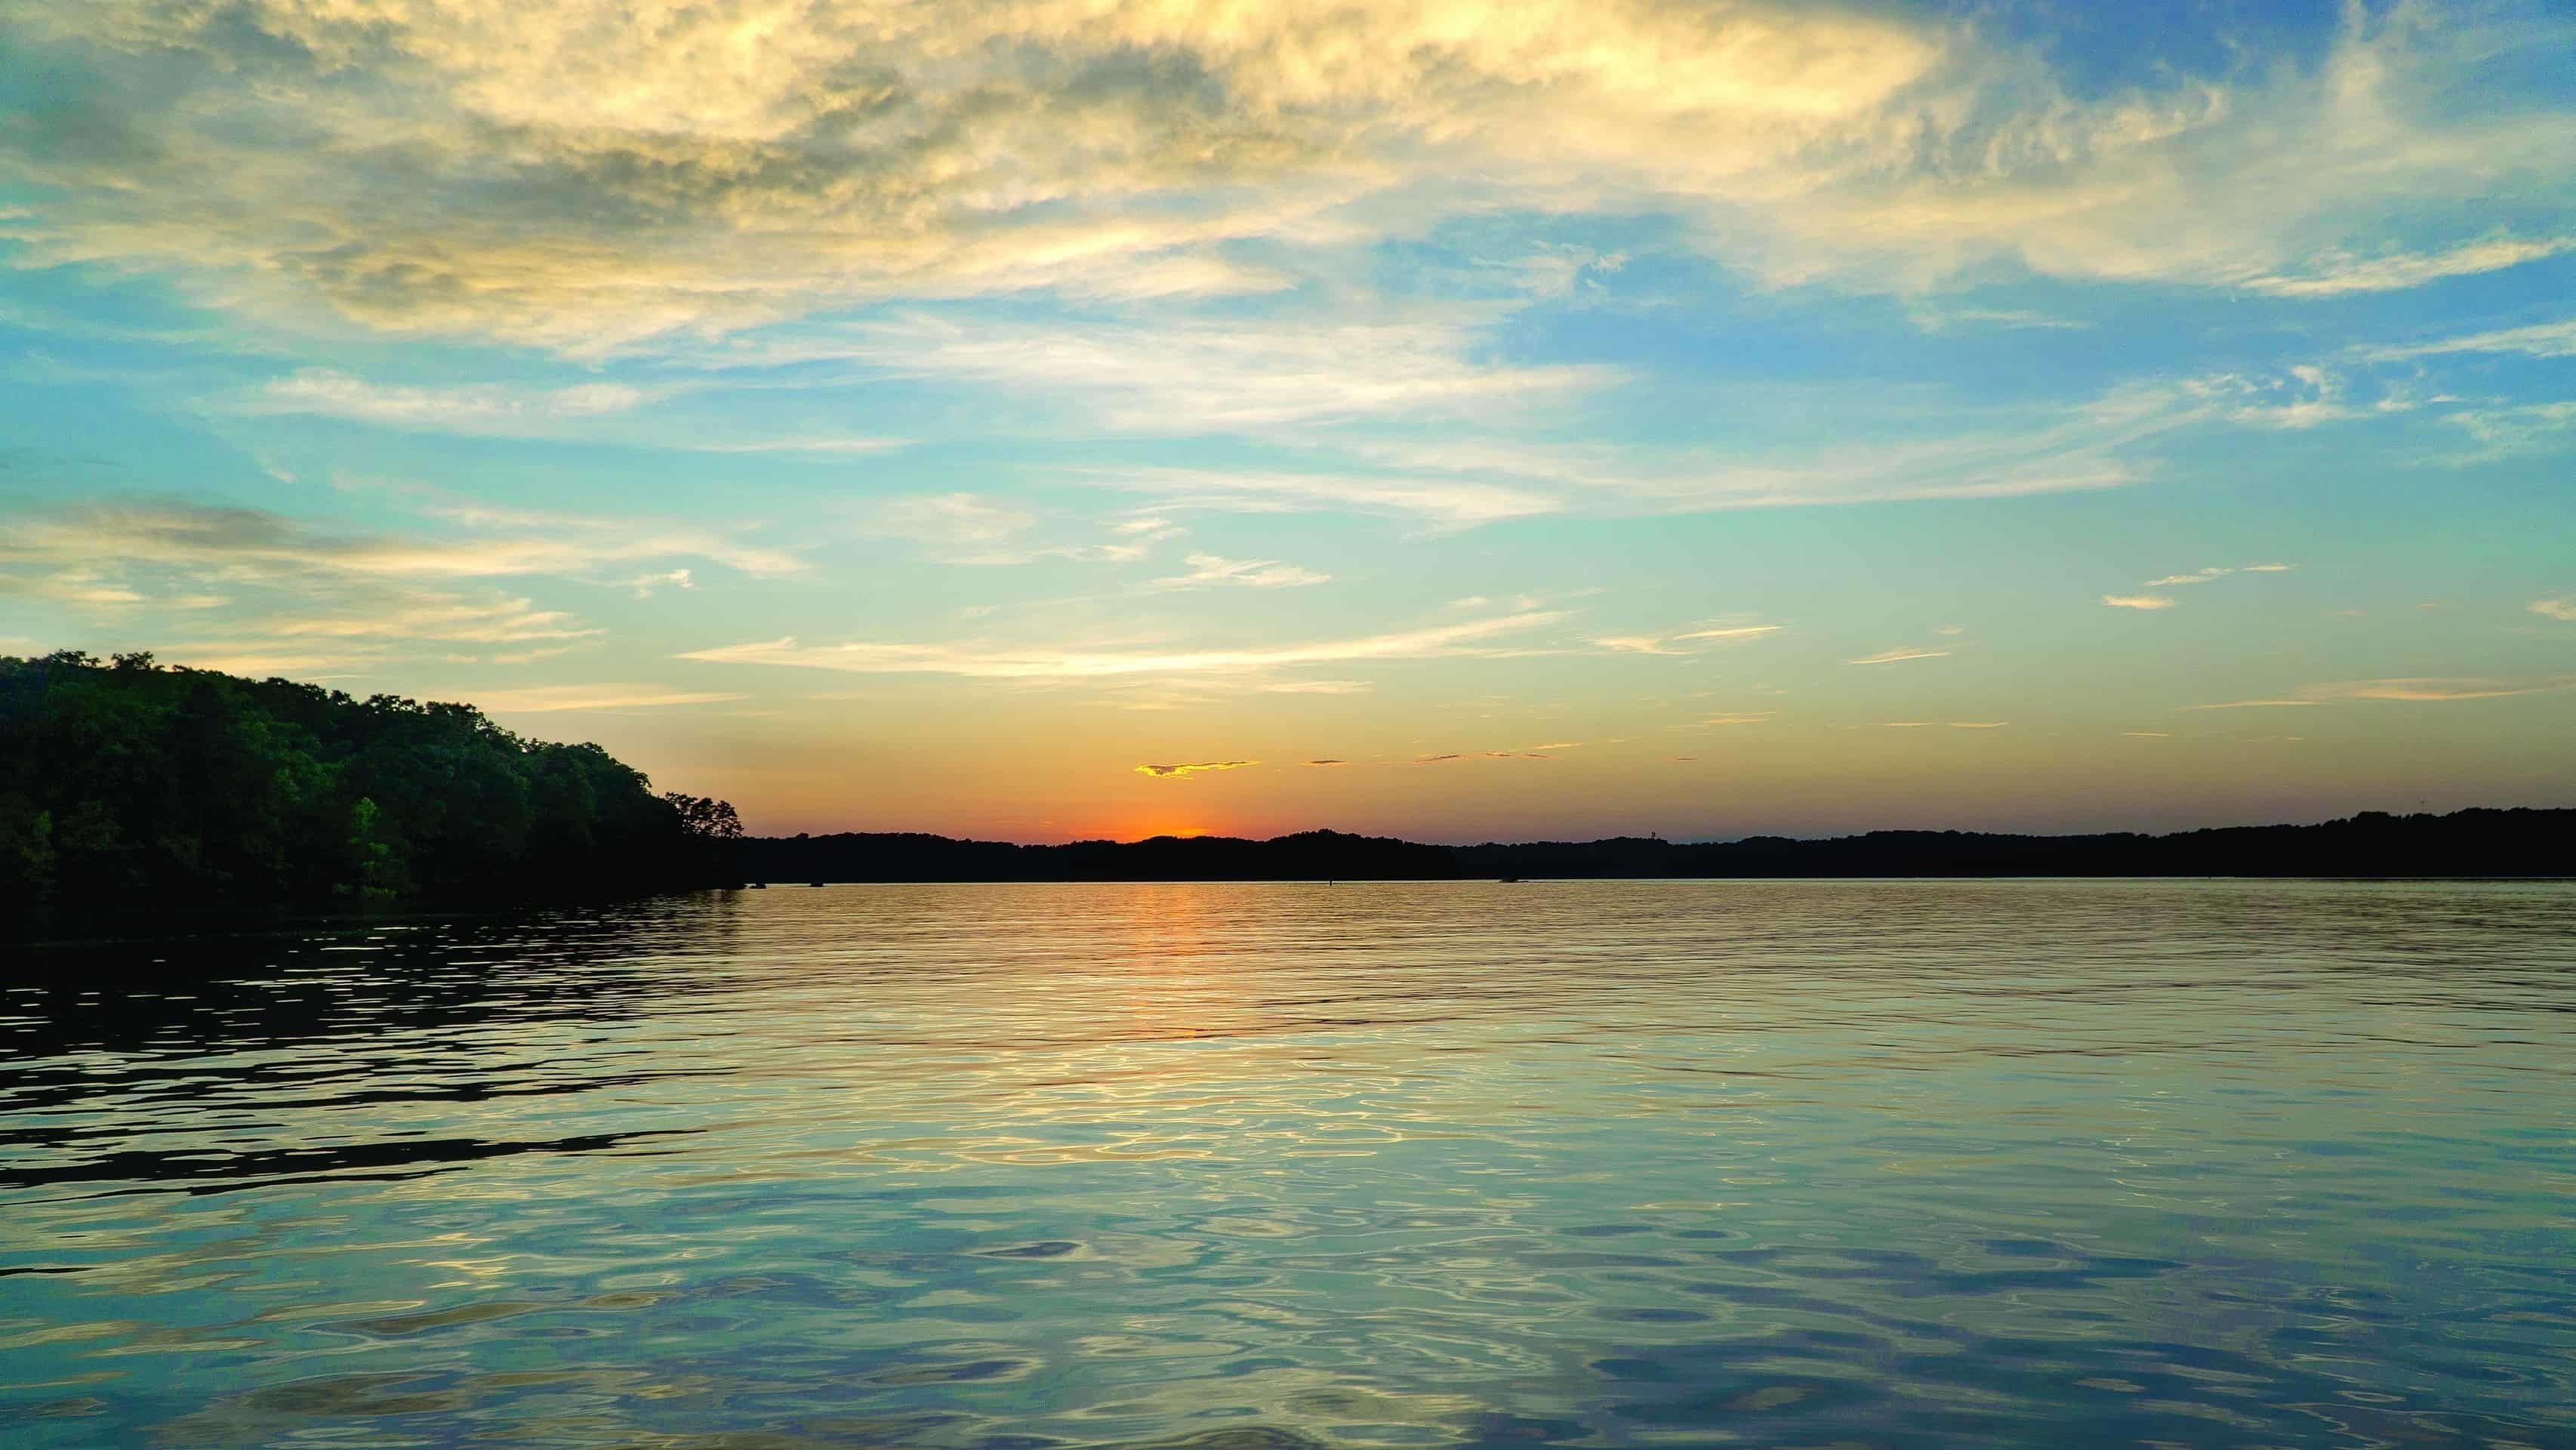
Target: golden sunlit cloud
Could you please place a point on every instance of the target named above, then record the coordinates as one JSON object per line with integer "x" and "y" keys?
{"x": 2560, "y": 608}
{"x": 2416, "y": 690}
{"x": 1177, "y": 772}
{"x": 1893, "y": 656}
{"x": 1001, "y": 663}
{"x": 2137, "y": 601}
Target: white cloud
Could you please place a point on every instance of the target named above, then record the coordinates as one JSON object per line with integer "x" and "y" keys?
{"x": 1048, "y": 662}
{"x": 1663, "y": 644}
{"x": 1320, "y": 687}
{"x": 1210, "y": 569}
{"x": 2507, "y": 432}
{"x": 2336, "y": 275}
{"x": 1178, "y": 376}
{"x": 1893, "y": 656}
{"x": 1441, "y": 501}
{"x": 476, "y": 408}
{"x": 2545, "y": 339}
{"x": 2137, "y": 601}
{"x": 2203, "y": 576}
{"x": 2562, "y": 607}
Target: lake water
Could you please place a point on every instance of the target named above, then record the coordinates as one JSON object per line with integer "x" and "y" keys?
{"x": 1257, "y": 1167}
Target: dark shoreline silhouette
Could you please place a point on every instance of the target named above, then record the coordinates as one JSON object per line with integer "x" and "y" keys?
{"x": 2468, "y": 843}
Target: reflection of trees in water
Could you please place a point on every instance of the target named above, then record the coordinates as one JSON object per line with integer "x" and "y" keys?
{"x": 112, "y": 1044}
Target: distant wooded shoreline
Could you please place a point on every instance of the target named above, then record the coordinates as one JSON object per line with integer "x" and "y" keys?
{"x": 2468, "y": 843}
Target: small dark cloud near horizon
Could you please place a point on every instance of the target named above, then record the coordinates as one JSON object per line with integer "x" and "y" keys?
{"x": 1328, "y": 762}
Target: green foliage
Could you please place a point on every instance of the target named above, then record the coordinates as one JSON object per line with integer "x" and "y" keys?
{"x": 127, "y": 788}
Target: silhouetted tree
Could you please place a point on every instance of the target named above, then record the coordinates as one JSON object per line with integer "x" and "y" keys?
{"x": 130, "y": 790}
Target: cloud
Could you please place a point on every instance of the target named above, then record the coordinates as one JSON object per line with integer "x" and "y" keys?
{"x": 1661, "y": 644}
{"x": 645, "y": 584}
{"x": 1328, "y": 762}
{"x": 943, "y": 518}
{"x": 2137, "y": 601}
{"x": 1755, "y": 717}
{"x": 495, "y": 619}
{"x": 1893, "y": 656}
{"x": 2415, "y": 690}
{"x": 817, "y": 444}
{"x": 2253, "y": 705}
{"x": 2202, "y": 577}
{"x": 1451, "y": 502}
{"x": 2269, "y": 568}
{"x": 2544, "y": 339}
{"x": 1319, "y": 687}
{"x": 489, "y": 408}
{"x": 1000, "y": 662}
{"x": 1209, "y": 569}
{"x": 1179, "y": 376}
{"x": 251, "y": 542}
{"x": 2505, "y": 432}
{"x": 2420, "y": 689}
{"x": 2333, "y": 276}
{"x": 2148, "y": 734}
{"x": 564, "y": 175}
{"x": 1177, "y": 772}
{"x": 2562, "y": 607}
{"x": 550, "y": 699}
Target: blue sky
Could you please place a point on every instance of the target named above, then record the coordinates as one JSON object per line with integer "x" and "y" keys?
{"x": 1567, "y": 419}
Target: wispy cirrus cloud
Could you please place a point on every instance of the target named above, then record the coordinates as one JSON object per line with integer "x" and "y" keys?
{"x": 1675, "y": 644}
{"x": 1451, "y": 502}
{"x": 2336, "y": 275}
{"x": 981, "y": 661}
{"x": 2416, "y": 690}
{"x": 2138, "y": 601}
{"x": 2542, "y": 339}
{"x": 473, "y": 408}
{"x": 241, "y": 540}
{"x": 1210, "y": 569}
{"x": 1898, "y": 656}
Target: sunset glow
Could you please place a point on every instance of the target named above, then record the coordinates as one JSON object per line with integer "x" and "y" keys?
{"x": 1426, "y": 417}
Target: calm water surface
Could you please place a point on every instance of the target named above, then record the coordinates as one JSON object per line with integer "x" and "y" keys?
{"x": 1275, "y": 1166}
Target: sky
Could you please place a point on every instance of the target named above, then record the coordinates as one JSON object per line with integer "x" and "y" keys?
{"x": 1055, "y": 419}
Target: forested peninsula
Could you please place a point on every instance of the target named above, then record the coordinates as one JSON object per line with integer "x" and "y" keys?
{"x": 135, "y": 794}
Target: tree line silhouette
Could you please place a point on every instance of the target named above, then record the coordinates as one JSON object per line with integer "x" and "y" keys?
{"x": 131, "y": 792}
{"x": 2480, "y": 843}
